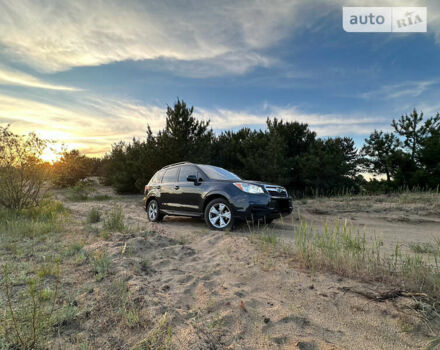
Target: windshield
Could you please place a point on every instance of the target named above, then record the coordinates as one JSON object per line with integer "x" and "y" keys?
{"x": 216, "y": 173}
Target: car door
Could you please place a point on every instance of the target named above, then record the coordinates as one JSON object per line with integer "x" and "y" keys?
{"x": 190, "y": 193}
{"x": 168, "y": 189}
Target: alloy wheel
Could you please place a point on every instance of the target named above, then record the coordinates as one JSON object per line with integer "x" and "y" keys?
{"x": 219, "y": 215}
{"x": 152, "y": 210}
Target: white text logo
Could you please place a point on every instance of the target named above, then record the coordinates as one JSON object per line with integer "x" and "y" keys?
{"x": 384, "y": 19}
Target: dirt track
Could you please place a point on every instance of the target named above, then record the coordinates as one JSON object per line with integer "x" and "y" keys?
{"x": 221, "y": 292}
{"x": 402, "y": 224}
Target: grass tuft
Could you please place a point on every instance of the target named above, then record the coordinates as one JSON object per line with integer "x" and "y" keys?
{"x": 159, "y": 338}
{"x": 101, "y": 264}
{"x": 85, "y": 191}
{"x": 425, "y": 248}
{"x": 94, "y": 216}
{"x": 80, "y": 192}
{"x": 115, "y": 220}
{"x": 27, "y": 318}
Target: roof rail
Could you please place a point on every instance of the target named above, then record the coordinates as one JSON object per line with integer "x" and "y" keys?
{"x": 179, "y": 163}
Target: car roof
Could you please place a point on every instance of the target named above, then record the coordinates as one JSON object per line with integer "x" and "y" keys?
{"x": 176, "y": 164}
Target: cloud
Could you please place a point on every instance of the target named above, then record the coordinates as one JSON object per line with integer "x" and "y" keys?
{"x": 193, "y": 38}
{"x": 323, "y": 124}
{"x": 14, "y": 77}
{"x": 93, "y": 123}
{"x": 199, "y": 38}
{"x": 54, "y": 36}
{"x": 401, "y": 90}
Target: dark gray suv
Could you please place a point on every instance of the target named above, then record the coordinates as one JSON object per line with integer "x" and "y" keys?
{"x": 215, "y": 194}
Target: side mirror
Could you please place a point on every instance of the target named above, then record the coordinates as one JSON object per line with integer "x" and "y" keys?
{"x": 192, "y": 178}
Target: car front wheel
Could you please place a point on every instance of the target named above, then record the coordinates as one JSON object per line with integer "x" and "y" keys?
{"x": 218, "y": 215}
{"x": 153, "y": 213}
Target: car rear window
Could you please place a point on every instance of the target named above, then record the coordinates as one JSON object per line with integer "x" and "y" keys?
{"x": 185, "y": 171}
{"x": 170, "y": 175}
{"x": 157, "y": 178}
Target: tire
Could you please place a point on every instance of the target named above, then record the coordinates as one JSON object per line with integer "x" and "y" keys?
{"x": 218, "y": 215}
{"x": 153, "y": 212}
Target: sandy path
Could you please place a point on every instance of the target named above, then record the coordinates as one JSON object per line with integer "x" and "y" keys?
{"x": 222, "y": 292}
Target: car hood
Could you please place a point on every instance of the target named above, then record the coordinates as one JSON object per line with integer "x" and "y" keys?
{"x": 251, "y": 182}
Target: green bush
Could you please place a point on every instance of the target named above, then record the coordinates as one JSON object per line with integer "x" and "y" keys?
{"x": 81, "y": 191}
{"x": 70, "y": 169}
{"x": 27, "y": 318}
{"x": 22, "y": 172}
{"x": 101, "y": 197}
{"x": 115, "y": 220}
{"x": 94, "y": 216}
{"x": 101, "y": 264}
{"x": 74, "y": 249}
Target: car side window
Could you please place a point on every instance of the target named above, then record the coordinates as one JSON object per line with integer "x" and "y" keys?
{"x": 170, "y": 175}
{"x": 185, "y": 171}
{"x": 157, "y": 177}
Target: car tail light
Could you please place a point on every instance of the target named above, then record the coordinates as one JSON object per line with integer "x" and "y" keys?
{"x": 146, "y": 189}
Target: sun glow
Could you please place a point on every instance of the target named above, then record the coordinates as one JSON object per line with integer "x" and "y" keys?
{"x": 52, "y": 153}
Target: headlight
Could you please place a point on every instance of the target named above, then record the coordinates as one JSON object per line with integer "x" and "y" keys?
{"x": 249, "y": 188}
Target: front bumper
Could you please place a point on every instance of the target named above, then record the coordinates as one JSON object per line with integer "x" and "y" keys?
{"x": 258, "y": 207}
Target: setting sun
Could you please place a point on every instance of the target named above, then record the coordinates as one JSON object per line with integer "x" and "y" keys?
{"x": 52, "y": 153}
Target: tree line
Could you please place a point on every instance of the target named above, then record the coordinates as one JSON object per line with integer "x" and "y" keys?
{"x": 410, "y": 155}
{"x": 285, "y": 153}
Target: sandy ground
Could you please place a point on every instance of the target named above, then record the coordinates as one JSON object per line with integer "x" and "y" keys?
{"x": 220, "y": 291}
{"x": 403, "y": 220}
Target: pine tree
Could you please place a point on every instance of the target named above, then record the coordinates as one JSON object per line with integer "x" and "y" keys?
{"x": 185, "y": 137}
{"x": 379, "y": 149}
{"x": 414, "y": 130}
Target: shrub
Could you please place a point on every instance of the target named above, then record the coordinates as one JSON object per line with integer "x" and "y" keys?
{"x": 81, "y": 191}
{"x": 101, "y": 197}
{"x": 115, "y": 220}
{"x": 94, "y": 216}
{"x": 74, "y": 249}
{"x": 27, "y": 318}
{"x": 101, "y": 264}
{"x": 71, "y": 168}
{"x": 22, "y": 172}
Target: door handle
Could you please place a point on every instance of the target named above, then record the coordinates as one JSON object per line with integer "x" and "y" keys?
{"x": 158, "y": 187}
{"x": 176, "y": 187}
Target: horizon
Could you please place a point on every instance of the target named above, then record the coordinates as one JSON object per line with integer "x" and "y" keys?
{"x": 100, "y": 73}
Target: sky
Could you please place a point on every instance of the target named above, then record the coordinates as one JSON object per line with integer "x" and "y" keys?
{"x": 91, "y": 73}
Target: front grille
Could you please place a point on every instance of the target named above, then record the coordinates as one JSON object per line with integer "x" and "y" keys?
{"x": 276, "y": 191}
{"x": 282, "y": 205}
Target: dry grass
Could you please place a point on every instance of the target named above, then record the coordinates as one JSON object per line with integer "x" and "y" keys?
{"x": 343, "y": 250}
{"x": 101, "y": 281}
{"x": 30, "y": 279}
{"x": 115, "y": 220}
{"x": 46, "y": 267}
{"x": 418, "y": 203}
